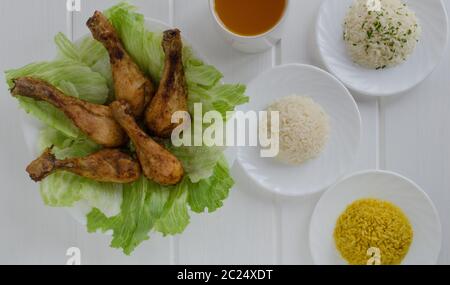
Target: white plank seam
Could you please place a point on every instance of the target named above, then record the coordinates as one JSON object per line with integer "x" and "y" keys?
{"x": 174, "y": 250}
{"x": 171, "y": 13}
{"x": 277, "y": 215}
{"x": 69, "y": 23}
{"x": 381, "y": 135}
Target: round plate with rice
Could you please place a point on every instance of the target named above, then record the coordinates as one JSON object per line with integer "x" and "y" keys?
{"x": 381, "y": 47}
{"x": 320, "y": 130}
{"x": 381, "y": 214}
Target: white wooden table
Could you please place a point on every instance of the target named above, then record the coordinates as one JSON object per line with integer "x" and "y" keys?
{"x": 409, "y": 134}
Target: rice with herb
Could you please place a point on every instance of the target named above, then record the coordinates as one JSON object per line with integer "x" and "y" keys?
{"x": 380, "y": 33}
{"x": 372, "y": 223}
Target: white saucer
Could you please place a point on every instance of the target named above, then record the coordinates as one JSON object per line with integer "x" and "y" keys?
{"x": 344, "y": 139}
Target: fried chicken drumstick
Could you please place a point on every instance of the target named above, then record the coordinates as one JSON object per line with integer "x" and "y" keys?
{"x": 130, "y": 84}
{"x": 96, "y": 121}
{"x": 107, "y": 165}
{"x": 172, "y": 92}
{"x": 157, "y": 163}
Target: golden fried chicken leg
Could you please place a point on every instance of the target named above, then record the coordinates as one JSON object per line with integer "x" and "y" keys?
{"x": 107, "y": 165}
{"x": 157, "y": 163}
{"x": 96, "y": 121}
{"x": 130, "y": 84}
{"x": 172, "y": 92}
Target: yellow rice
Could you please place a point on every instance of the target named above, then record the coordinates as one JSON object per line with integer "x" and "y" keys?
{"x": 372, "y": 223}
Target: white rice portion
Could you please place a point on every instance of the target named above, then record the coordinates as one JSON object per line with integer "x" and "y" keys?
{"x": 304, "y": 128}
{"x": 380, "y": 37}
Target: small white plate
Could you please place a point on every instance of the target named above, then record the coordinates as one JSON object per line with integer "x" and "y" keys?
{"x": 427, "y": 54}
{"x": 382, "y": 185}
{"x": 344, "y": 139}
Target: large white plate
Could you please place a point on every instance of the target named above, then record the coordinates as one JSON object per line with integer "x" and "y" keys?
{"x": 344, "y": 139}
{"x": 431, "y": 47}
{"x": 382, "y": 185}
{"x": 31, "y": 128}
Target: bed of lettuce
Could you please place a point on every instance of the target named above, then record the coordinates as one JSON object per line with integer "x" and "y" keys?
{"x": 133, "y": 210}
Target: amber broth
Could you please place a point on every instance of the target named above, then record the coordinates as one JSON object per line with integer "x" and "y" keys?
{"x": 250, "y": 17}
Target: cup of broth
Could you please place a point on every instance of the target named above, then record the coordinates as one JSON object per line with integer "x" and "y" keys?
{"x": 250, "y": 26}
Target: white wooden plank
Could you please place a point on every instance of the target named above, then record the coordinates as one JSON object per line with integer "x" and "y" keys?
{"x": 251, "y": 227}
{"x": 157, "y": 250}
{"x": 298, "y": 45}
{"x": 417, "y": 140}
{"x": 31, "y": 232}
{"x": 242, "y": 231}
{"x": 156, "y": 9}
{"x": 417, "y": 137}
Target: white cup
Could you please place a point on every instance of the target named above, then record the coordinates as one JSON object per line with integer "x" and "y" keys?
{"x": 250, "y": 44}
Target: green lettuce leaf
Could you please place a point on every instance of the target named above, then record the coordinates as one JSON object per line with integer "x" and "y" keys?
{"x": 143, "y": 204}
{"x": 89, "y": 52}
{"x": 175, "y": 216}
{"x": 147, "y": 205}
{"x": 71, "y": 77}
{"x": 64, "y": 189}
{"x": 210, "y": 193}
{"x": 50, "y": 116}
{"x": 51, "y": 137}
{"x": 90, "y": 85}
{"x": 222, "y": 98}
{"x": 197, "y": 72}
{"x": 66, "y": 49}
{"x": 198, "y": 161}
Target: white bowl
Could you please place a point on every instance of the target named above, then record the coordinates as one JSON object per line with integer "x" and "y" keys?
{"x": 382, "y": 185}
{"x": 250, "y": 44}
{"x": 427, "y": 54}
{"x": 345, "y": 131}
